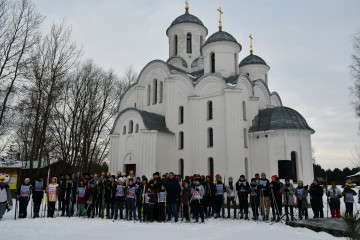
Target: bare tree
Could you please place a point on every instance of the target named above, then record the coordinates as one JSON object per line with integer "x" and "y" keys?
{"x": 130, "y": 76}
{"x": 19, "y": 32}
{"x": 355, "y": 71}
{"x": 48, "y": 66}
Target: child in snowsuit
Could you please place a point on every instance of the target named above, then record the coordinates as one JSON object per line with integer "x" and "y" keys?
{"x": 81, "y": 201}
{"x": 24, "y": 193}
{"x": 51, "y": 192}
{"x": 119, "y": 199}
{"x": 5, "y": 196}
{"x": 254, "y": 198}
{"x": 185, "y": 199}
{"x": 151, "y": 200}
{"x": 110, "y": 190}
{"x": 219, "y": 195}
{"x": 242, "y": 187}
{"x": 288, "y": 199}
{"x": 349, "y": 194}
{"x": 130, "y": 200}
{"x": 91, "y": 196}
{"x": 197, "y": 194}
{"x": 264, "y": 197}
{"x": 301, "y": 193}
{"x": 275, "y": 196}
{"x": 230, "y": 197}
{"x": 335, "y": 195}
{"x": 161, "y": 204}
{"x": 38, "y": 195}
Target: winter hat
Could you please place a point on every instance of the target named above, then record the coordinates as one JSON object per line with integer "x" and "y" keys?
{"x": 316, "y": 180}
{"x": 138, "y": 178}
{"x": 230, "y": 178}
{"x": 263, "y": 174}
{"x": 27, "y": 179}
{"x": 253, "y": 180}
{"x": 131, "y": 180}
{"x": 287, "y": 180}
{"x": 300, "y": 182}
{"x": 156, "y": 173}
{"x": 242, "y": 176}
{"x": 113, "y": 176}
{"x": 274, "y": 176}
{"x": 218, "y": 176}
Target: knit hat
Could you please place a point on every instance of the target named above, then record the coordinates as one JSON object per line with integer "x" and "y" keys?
{"x": 230, "y": 178}
{"x": 218, "y": 176}
{"x": 27, "y": 179}
{"x": 300, "y": 182}
{"x": 263, "y": 174}
{"x": 242, "y": 176}
{"x": 138, "y": 178}
{"x": 274, "y": 176}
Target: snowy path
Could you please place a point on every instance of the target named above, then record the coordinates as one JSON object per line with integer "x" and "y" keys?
{"x": 79, "y": 228}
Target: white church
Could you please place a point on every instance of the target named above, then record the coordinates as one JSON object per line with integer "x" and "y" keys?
{"x": 203, "y": 112}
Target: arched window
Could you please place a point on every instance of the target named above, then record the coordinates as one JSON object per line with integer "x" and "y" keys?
{"x": 245, "y": 138}
{"x": 181, "y": 115}
{"x": 181, "y": 140}
{"x": 131, "y": 126}
{"x": 210, "y": 137}
{"x": 175, "y": 45}
{"x": 244, "y": 110}
{"x": 266, "y": 78}
{"x": 161, "y": 92}
{"x": 124, "y": 130}
{"x": 211, "y": 167}
{"x": 201, "y": 41}
{"x": 188, "y": 43}
{"x": 155, "y": 92}
{"x": 212, "y": 56}
{"x": 149, "y": 95}
{"x": 181, "y": 167}
{"x": 137, "y": 128}
{"x": 236, "y": 63}
{"x": 246, "y": 168}
{"x": 294, "y": 165}
{"x": 209, "y": 110}
{"x": 134, "y": 105}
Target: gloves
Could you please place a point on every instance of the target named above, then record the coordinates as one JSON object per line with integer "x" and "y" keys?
{"x": 8, "y": 207}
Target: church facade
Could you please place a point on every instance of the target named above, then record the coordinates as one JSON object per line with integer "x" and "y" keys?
{"x": 202, "y": 111}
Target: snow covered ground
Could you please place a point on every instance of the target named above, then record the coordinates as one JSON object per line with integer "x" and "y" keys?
{"x": 80, "y": 228}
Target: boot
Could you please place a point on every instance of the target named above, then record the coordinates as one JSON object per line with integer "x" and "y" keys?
{"x": 241, "y": 216}
{"x": 264, "y": 218}
{"x": 235, "y": 214}
{"x": 267, "y": 218}
{"x": 287, "y": 218}
{"x": 246, "y": 217}
{"x": 228, "y": 214}
{"x": 278, "y": 219}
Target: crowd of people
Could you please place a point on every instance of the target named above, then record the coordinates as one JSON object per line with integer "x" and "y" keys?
{"x": 162, "y": 198}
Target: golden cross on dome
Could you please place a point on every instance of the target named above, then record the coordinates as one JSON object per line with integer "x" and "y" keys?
{"x": 187, "y": 5}
{"x": 251, "y": 38}
{"x": 220, "y": 12}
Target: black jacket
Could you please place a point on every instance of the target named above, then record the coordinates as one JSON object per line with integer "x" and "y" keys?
{"x": 173, "y": 190}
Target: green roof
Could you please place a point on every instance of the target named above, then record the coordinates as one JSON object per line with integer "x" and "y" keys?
{"x": 221, "y": 36}
{"x": 252, "y": 59}
{"x": 187, "y": 18}
{"x": 279, "y": 118}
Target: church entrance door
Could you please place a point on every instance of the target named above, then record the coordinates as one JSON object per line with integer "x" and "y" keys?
{"x": 130, "y": 167}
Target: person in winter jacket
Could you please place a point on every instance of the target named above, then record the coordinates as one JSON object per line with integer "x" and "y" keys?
{"x": 138, "y": 196}
{"x": 335, "y": 195}
{"x": 91, "y": 196}
{"x": 230, "y": 197}
{"x": 5, "y": 196}
{"x": 119, "y": 199}
{"x": 348, "y": 195}
{"x": 185, "y": 200}
{"x": 197, "y": 194}
{"x": 51, "y": 191}
{"x": 219, "y": 195}
{"x": 150, "y": 200}
{"x": 316, "y": 199}
{"x": 275, "y": 196}
{"x": 301, "y": 193}
{"x": 24, "y": 192}
{"x": 173, "y": 196}
{"x": 38, "y": 194}
{"x": 242, "y": 187}
{"x": 68, "y": 197}
{"x": 208, "y": 198}
{"x": 254, "y": 191}
{"x": 161, "y": 203}
{"x": 130, "y": 199}
{"x": 264, "y": 197}
{"x": 288, "y": 199}
{"x": 81, "y": 200}
{"x": 110, "y": 191}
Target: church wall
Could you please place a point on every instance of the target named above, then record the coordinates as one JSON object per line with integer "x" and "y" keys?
{"x": 255, "y": 71}
{"x": 165, "y": 160}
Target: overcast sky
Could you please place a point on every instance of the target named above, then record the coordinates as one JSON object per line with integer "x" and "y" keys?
{"x": 307, "y": 44}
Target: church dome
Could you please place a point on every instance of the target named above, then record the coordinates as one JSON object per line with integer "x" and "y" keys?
{"x": 187, "y": 18}
{"x": 252, "y": 59}
{"x": 221, "y": 36}
{"x": 279, "y": 118}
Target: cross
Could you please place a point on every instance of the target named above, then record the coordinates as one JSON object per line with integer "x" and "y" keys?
{"x": 251, "y": 38}
{"x": 187, "y": 5}
{"x": 220, "y": 12}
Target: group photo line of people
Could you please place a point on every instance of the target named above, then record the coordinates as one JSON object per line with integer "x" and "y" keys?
{"x": 169, "y": 196}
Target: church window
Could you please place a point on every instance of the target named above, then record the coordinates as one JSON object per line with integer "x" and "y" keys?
{"x": 294, "y": 168}
{"x": 181, "y": 115}
{"x": 181, "y": 166}
{"x": 236, "y": 63}
{"x": 155, "y": 92}
{"x": 149, "y": 95}
{"x": 210, "y": 110}
{"x": 210, "y": 137}
{"x": 246, "y": 168}
{"x": 124, "y": 130}
{"x": 181, "y": 140}
{"x": 212, "y": 56}
{"x": 245, "y": 138}
{"x": 131, "y": 126}
{"x": 134, "y": 105}
{"x": 266, "y": 78}
{"x": 188, "y": 43}
{"x": 244, "y": 110}
{"x": 201, "y": 41}
{"x": 137, "y": 128}
{"x": 175, "y": 45}
{"x": 211, "y": 167}
{"x": 248, "y": 74}
{"x": 161, "y": 92}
